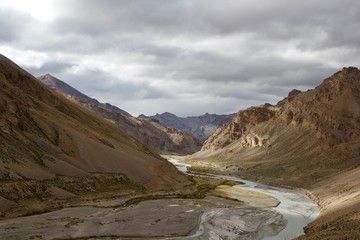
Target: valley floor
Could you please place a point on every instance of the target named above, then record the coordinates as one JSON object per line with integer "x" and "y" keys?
{"x": 208, "y": 209}
{"x": 215, "y": 209}
{"x": 165, "y": 218}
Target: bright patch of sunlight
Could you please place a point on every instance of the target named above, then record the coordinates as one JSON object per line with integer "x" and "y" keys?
{"x": 42, "y": 10}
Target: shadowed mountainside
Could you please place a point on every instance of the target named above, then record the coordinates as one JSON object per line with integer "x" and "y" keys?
{"x": 310, "y": 139}
{"x": 201, "y": 126}
{"x": 51, "y": 148}
{"x": 165, "y": 140}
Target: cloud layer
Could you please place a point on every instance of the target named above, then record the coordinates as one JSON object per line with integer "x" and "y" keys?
{"x": 183, "y": 56}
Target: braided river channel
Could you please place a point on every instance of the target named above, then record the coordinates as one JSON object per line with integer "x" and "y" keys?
{"x": 295, "y": 207}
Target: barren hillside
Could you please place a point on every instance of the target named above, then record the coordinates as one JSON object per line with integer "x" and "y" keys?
{"x": 51, "y": 148}
{"x": 302, "y": 138}
{"x": 163, "y": 139}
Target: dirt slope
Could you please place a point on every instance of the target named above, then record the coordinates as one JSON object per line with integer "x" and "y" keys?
{"x": 48, "y": 143}
{"x": 339, "y": 199}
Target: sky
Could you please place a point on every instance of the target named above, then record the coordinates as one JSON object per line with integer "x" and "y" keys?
{"x": 187, "y": 57}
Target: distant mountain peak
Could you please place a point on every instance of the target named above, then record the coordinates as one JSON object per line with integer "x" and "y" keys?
{"x": 168, "y": 114}
{"x": 201, "y": 126}
{"x": 48, "y": 76}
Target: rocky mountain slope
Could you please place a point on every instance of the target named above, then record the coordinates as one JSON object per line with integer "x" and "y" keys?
{"x": 53, "y": 149}
{"x": 300, "y": 136}
{"x": 201, "y": 126}
{"x": 74, "y": 95}
{"x": 310, "y": 139}
{"x": 165, "y": 140}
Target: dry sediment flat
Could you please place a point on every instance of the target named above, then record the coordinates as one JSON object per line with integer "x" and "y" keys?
{"x": 255, "y": 199}
{"x": 211, "y": 217}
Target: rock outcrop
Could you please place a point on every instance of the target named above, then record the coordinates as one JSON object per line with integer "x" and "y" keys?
{"x": 238, "y": 128}
{"x": 332, "y": 110}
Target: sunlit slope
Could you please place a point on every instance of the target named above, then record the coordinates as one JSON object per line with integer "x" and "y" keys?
{"x": 304, "y": 137}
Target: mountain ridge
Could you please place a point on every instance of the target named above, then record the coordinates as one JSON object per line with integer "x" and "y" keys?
{"x": 78, "y": 96}
{"x": 328, "y": 116}
{"x": 165, "y": 140}
{"x": 201, "y": 126}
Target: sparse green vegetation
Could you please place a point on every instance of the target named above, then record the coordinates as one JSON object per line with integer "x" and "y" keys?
{"x": 35, "y": 197}
{"x": 200, "y": 188}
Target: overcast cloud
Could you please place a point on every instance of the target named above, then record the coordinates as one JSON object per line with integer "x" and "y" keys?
{"x": 187, "y": 57}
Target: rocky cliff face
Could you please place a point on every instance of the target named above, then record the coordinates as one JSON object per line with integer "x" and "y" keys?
{"x": 331, "y": 110}
{"x": 304, "y": 135}
{"x": 237, "y": 129}
{"x": 164, "y": 140}
{"x": 200, "y": 126}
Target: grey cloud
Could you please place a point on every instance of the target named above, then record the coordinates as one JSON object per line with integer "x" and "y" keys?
{"x": 12, "y": 23}
{"x": 53, "y": 67}
{"x": 123, "y": 15}
{"x": 99, "y": 84}
{"x": 218, "y": 68}
{"x": 261, "y": 50}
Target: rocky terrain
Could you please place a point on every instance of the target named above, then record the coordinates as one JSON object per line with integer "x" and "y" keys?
{"x": 310, "y": 139}
{"x": 163, "y": 139}
{"x": 166, "y": 140}
{"x": 201, "y": 126}
{"x": 304, "y": 134}
{"x": 52, "y": 150}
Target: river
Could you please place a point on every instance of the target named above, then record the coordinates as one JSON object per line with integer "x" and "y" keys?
{"x": 295, "y": 206}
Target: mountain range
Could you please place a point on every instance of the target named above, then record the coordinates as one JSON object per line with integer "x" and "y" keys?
{"x": 161, "y": 138}
{"x": 58, "y": 145}
{"x": 51, "y": 148}
{"x": 200, "y": 126}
